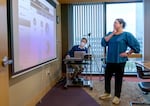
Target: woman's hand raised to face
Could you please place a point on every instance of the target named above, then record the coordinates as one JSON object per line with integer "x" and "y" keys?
{"x": 114, "y": 31}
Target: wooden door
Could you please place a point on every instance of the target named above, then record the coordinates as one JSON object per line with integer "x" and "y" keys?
{"x": 4, "y": 77}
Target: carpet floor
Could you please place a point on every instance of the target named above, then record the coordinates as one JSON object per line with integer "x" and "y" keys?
{"x": 83, "y": 96}
{"x": 73, "y": 96}
{"x": 130, "y": 93}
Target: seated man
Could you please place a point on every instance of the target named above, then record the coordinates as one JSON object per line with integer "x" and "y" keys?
{"x": 71, "y": 53}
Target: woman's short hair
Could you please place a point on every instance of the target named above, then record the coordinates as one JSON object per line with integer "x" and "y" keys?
{"x": 121, "y": 21}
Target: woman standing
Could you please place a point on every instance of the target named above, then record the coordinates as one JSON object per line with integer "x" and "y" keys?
{"x": 117, "y": 42}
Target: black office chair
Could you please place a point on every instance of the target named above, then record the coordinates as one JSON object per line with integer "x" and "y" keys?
{"x": 143, "y": 73}
{"x": 103, "y": 64}
{"x": 103, "y": 67}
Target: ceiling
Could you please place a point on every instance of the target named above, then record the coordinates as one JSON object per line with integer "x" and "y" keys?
{"x": 81, "y": 1}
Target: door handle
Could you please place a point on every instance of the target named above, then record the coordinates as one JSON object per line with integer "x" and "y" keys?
{"x": 6, "y": 61}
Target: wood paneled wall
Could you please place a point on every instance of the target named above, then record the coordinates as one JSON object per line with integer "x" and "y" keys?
{"x": 4, "y": 83}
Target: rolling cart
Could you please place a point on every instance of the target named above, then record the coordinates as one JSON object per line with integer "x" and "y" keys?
{"x": 84, "y": 80}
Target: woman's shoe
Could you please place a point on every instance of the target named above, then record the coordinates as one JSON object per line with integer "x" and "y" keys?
{"x": 116, "y": 100}
{"x": 105, "y": 96}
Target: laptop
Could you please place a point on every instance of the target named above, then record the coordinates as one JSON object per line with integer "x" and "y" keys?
{"x": 79, "y": 54}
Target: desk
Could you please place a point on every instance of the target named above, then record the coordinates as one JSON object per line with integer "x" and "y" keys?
{"x": 145, "y": 64}
{"x": 78, "y": 61}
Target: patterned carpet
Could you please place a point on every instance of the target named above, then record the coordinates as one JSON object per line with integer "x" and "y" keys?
{"x": 130, "y": 92}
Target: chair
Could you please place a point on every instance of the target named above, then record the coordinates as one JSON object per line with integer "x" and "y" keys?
{"x": 103, "y": 64}
{"x": 143, "y": 73}
{"x": 103, "y": 67}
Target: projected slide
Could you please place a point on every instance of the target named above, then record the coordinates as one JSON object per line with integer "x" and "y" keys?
{"x": 34, "y": 33}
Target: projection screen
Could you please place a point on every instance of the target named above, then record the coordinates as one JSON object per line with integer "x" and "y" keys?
{"x": 33, "y": 33}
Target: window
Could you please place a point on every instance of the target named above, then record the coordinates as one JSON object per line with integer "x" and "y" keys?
{"x": 88, "y": 22}
{"x": 89, "y": 18}
{"x": 133, "y": 14}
